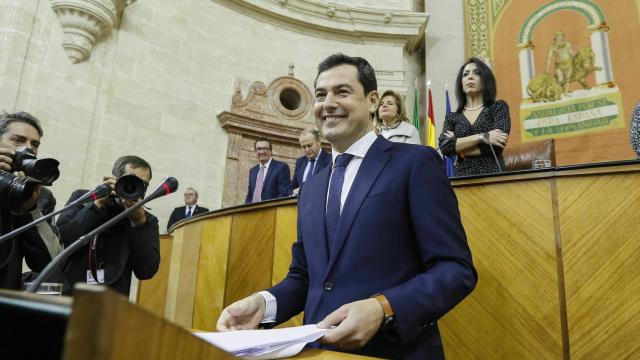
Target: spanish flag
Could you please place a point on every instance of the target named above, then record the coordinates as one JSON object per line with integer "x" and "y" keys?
{"x": 430, "y": 136}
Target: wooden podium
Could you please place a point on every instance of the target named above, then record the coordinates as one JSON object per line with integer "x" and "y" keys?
{"x": 97, "y": 323}
{"x": 100, "y": 324}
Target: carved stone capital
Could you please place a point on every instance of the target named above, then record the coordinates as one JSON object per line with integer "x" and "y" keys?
{"x": 84, "y": 22}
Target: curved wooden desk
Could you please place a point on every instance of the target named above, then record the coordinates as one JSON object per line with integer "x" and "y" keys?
{"x": 225, "y": 255}
{"x": 556, "y": 252}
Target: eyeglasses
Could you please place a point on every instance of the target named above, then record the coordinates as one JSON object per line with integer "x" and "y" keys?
{"x": 263, "y": 149}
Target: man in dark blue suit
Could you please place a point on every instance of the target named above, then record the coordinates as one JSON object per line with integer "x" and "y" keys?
{"x": 270, "y": 178}
{"x": 314, "y": 158}
{"x": 190, "y": 208}
{"x": 381, "y": 252}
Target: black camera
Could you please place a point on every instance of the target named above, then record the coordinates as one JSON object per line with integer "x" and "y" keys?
{"x": 44, "y": 170}
{"x": 130, "y": 187}
{"x": 15, "y": 190}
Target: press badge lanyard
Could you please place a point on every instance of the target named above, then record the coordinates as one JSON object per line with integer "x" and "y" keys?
{"x": 95, "y": 275}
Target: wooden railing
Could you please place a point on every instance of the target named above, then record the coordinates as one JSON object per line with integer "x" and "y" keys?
{"x": 556, "y": 253}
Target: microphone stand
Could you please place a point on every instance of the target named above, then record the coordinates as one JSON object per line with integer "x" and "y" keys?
{"x": 495, "y": 157}
{"x": 163, "y": 189}
{"x": 99, "y": 192}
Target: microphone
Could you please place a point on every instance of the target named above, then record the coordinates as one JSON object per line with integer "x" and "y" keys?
{"x": 100, "y": 191}
{"x": 486, "y": 136}
{"x": 168, "y": 186}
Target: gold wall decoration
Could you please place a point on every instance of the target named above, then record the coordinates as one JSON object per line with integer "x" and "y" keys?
{"x": 571, "y": 58}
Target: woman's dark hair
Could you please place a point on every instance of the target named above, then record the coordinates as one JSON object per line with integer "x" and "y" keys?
{"x": 489, "y": 88}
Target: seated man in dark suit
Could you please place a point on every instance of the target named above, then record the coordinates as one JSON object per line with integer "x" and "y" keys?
{"x": 314, "y": 158}
{"x": 381, "y": 253}
{"x": 270, "y": 178}
{"x": 190, "y": 209}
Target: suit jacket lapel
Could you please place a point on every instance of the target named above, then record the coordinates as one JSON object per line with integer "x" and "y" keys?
{"x": 324, "y": 159}
{"x": 318, "y": 206}
{"x": 253, "y": 173}
{"x": 372, "y": 164}
{"x": 270, "y": 171}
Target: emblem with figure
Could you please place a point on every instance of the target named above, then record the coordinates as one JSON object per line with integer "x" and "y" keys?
{"x": 575, "y": 92}
{"x": 569, "y": 68}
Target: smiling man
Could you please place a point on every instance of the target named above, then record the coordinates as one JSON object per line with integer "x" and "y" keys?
{"x": 381, "y": 253}
{"x": 190, "y": 208}
{"x": 270, "y": 178}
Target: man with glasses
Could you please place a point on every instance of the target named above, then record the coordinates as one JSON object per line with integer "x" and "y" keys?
{"x": 131, "y": 245}
{"x": 270, "y": 178}
{"x": 189, "y": 209}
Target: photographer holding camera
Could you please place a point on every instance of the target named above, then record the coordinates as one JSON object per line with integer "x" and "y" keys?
{"x": 131, "y": 245}
{"x": 20, "y": 135}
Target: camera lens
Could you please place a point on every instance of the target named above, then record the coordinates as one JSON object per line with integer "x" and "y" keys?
{"x": 130, "y": 187}
{"x": 44, "y": 170}
{"x": 15, "y": 190}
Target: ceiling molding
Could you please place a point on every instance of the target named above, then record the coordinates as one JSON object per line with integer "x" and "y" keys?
{"x": 337, "y": 19}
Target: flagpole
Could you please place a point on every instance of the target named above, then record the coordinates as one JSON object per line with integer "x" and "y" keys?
{"x": 416, "y": 106}
{"x": 427, "y": 120}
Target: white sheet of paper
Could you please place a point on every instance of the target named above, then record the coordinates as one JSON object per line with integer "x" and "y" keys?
{"x": 265, "y": 344}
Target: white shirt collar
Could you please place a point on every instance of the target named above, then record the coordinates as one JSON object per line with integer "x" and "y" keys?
{"x": 404, "y": 129}
{"x": 318, "y": 155}
{"x": 267, "y": 164}
{"x": 358, "y": 148}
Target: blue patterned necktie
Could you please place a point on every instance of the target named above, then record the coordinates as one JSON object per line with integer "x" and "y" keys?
{"x": 332, "y": 217}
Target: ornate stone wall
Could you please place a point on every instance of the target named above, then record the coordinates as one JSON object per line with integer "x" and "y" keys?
{"x": 156, "y": 83}
{"x": 278, "y": 111}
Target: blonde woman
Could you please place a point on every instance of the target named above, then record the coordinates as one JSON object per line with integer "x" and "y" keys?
{"x": 391, "y": 120}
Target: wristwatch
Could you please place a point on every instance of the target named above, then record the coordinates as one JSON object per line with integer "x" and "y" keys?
{"x": 486, "y": 137}
{"x": 389, "y": 322}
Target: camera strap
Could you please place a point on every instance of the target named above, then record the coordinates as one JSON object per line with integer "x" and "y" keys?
{"x": 93, "y": 259}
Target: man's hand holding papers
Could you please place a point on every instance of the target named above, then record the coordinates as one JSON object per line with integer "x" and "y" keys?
{"x": 245, "y": 314}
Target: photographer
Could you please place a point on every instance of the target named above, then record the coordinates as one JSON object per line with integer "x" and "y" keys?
{"x": 38, "y": 245}
{"x": 130, "y": 245}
